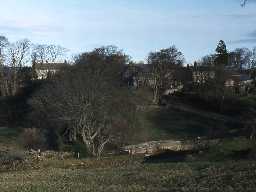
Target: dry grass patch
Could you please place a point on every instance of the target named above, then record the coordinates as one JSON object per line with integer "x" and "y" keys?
{"x": 126, "y": 174}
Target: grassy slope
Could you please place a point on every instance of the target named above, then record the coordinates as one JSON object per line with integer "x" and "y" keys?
{"x": 9, "y": 138}
{"x": 173, "y": 123}
{"x": 156, "y": 123}
{"x": 126, "y": 174}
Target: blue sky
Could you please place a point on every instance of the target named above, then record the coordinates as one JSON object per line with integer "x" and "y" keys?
{"x": 136, "y": 26}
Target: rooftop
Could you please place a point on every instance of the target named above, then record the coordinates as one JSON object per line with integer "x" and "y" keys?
{"x": 50, "y": 66}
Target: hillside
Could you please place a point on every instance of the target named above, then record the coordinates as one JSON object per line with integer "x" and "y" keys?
{"x": 126, "y": 174}
{"x": 182, "y": 121}
{"x": 176, "y": 121}
{"x": 9, "y": 138}
{"x": 214, "y": 170}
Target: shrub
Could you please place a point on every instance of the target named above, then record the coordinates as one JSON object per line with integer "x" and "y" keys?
{"x": 32, "y": 138}
{"x": 81, "y": 149}
{"x": 54, "y": 140}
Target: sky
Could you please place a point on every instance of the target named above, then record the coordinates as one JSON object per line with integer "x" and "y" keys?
{"x": 135, "y": 26}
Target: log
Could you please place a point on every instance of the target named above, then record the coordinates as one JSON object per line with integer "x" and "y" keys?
{"x": 152, "y": 147}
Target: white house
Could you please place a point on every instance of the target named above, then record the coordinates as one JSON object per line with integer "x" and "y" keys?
{"x": 44, "y": 70}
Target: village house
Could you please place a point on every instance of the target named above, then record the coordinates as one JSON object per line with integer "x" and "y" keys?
{"x": 44, "y": 70}
{"x": 233, "y": 78}
{"x": 138, "y": 75}
{"x": 239, "y": 81}
{"x": 141, "y": 75}
{"x": 201, "y": 74}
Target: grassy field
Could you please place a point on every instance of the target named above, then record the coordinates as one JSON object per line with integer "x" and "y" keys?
{"x": 9, "y": 138}
{"x": 126, "y": 174}
{"x": 164, "y": 123}
{"x": 131, "y": 174}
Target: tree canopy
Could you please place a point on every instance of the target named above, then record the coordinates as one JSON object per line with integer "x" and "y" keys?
{"x": 88, "y": 97}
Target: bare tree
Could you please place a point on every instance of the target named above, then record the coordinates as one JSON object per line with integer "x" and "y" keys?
{"x": 207, "y": 61}
{"x": 164, "y": 64}
{"x": 43, "y": 53}
{"x": 88, "y": 97}
{"x": 18, "y": 56}
{"x": 243, "y": 58}
{"x": 3, "y": 44}
{"x": 253, "y": 59}
{"x": 39, "y": 53}
{"x": 55, "y": 52}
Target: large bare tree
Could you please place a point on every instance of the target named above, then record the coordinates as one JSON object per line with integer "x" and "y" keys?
{"x": 164, "y": 64}
{"x": 55, "y": 52}
{"x": 39, "y": 53}
{"x": 243, "y": 58}
{"x": 19, "y": 53}
{"x": 3, "y": 45}
{"x": 89, "y": 98}
{"x": 43, "y": 53}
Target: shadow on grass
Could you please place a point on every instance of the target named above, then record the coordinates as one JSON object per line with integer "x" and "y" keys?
{"x": 186, "y": 125}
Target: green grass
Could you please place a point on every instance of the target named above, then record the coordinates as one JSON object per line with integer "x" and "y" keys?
{"x": 130, "y": 174}
{"x": 249, "y": 101}
{"x": 9, "y": 137}
{"x": 176, "y": 124}
{"x": 232, "y": 148}
{"x": 126, "y": 174}
{"x": 8, "y": 132}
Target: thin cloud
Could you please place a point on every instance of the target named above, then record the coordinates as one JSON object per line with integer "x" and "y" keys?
{"x": 253, "y": 34}
{"x": 240, "y": 41}
{"x": 11, "y": 28}
{"x": 240, "y": 16}
{"x": 251, "y": 1}
{"x": 250, "y": 38}
{"x": 28, "y": 28}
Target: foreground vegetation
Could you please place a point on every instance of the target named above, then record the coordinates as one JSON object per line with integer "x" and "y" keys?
{"x": 215, "y": 170}
{"x": 131, "y": 174}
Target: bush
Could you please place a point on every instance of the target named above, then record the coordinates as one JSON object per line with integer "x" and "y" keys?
{"x": 32, "y": 138}
{"x": 81, "y": 149}
{"x": 54, "y": 140}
